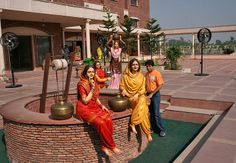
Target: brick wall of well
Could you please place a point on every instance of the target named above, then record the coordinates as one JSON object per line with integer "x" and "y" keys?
{"x": 74, "y": 142}
{"x": 68, "y": 143}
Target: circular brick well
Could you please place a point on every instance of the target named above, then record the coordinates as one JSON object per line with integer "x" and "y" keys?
{"x": 31, "y": 136}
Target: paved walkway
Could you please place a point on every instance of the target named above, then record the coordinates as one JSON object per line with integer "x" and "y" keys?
{"x": 220, "y": 85}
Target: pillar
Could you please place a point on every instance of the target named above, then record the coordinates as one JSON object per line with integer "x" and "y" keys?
{"x": 193, "y": 50}
{"x": 88, "y": 47}
{"x": 138, "y": 44}
{"x": 63, "y": 38}
{"x": 2, "y": 63}
{"x": 83, "y": 42}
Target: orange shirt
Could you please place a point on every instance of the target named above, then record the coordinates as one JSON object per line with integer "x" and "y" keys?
{"x": 153, "y": 80}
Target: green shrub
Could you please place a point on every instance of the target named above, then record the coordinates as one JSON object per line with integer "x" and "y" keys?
{"x": 172, "y": 55}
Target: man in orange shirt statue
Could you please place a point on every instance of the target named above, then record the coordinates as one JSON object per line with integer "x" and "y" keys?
{"x": 154, "y": 83}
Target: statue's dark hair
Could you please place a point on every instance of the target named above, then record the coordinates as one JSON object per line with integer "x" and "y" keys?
{"x": 95, "y": 62}
{"x": 85, "y": 70}
{"x": 149, "y": 62}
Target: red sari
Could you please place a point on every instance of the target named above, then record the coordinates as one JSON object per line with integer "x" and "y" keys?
{"x": 101, "y": 74}
{"x": 94, "y": 114}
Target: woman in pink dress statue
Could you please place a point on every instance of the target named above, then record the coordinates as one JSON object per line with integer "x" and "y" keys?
{"x": 116, "y": 64}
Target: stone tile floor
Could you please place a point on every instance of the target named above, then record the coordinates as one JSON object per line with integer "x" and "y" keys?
{"x": 219, "y": 85}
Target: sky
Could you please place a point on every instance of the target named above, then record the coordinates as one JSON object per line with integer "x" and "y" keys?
{"x": 194, "y": 13}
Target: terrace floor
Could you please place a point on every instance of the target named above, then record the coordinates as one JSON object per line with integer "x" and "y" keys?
{"x": 219, "y": 85}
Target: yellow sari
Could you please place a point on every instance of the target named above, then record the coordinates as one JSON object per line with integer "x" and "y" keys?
{"x": 133, "y": 84}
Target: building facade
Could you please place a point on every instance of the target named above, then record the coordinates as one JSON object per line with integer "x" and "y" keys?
{"x": 43, "y": 26}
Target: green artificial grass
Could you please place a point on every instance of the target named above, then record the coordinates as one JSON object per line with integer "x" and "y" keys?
{"x": 165, "y": 149}
{"x": 3, "y": 153}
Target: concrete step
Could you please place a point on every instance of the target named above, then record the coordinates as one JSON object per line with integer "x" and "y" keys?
{"x": 193, "y": 110}
{"x": 164, "y": 104}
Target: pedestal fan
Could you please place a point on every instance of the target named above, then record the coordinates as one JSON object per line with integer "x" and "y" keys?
{"x": 10, "y": 41}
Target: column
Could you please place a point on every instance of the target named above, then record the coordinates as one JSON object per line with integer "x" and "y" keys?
{"x": 138, "y": 44}
{"x": 2, "y": 64}
{"x": 88, "y": 47}
{"x": 83, "y": 41}
{"x": 63, "y": 38}
{"x": 193, "y": 50}
{"x": 161, "y": 41}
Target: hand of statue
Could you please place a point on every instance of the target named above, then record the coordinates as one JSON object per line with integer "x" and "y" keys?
{"x": 105, "y": 109}
{"x": 92, "y": 83}
{"x": 109, "y": 78}
{"x": 150, "y": 96}
{"x": 124, "y": 93}
{"x": 111, "y": 36}
{"x": 135, "y": 97}
{"x": 148, "y": 100}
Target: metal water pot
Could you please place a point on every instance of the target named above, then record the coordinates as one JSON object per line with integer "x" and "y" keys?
{"x": 118, "y": 103}
{"x": 62, "y": 110}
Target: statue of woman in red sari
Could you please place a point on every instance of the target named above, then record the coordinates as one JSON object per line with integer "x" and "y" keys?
{"x": 100, "y": 74}
{"x": 90, "y": 109}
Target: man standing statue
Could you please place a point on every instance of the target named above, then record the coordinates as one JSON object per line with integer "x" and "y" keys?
{"x": 154, "y": 83}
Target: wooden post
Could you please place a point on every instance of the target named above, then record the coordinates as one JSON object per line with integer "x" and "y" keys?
{"x": 68, "y": 78}
{"x": 45, "y": 83}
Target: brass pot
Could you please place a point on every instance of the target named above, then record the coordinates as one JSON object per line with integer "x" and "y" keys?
{"x": 118, "y": 103}
{"x": 62, "y": 110}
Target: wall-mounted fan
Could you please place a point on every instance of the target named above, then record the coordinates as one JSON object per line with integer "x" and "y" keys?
{"x": 10, "y": 41}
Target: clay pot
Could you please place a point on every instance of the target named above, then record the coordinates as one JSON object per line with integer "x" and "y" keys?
{"x": 116, "y": 37}
{"x": 62, "y": 110}
{"x": 118, "y": 103}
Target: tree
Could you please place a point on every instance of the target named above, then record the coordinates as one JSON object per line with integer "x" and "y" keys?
{"x": 231, "y": 39}
{"x": 110, "y": 27}
{"x": 129, "y": 37}
{"x": 181, "y": 39}
{"x": 218, "y": 42}
{"x": 152, "y": 37}
{"x": 109, "y": 24}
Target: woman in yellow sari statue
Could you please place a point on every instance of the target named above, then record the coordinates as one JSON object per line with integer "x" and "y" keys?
{"x": 132, "y": 86}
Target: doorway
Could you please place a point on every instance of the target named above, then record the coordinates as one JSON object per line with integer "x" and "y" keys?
{"x": 43, "y": 47}
{"x": 22, "y": 55}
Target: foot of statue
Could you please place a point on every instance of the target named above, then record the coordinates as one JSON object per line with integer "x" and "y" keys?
{"x": 116, "y": 150}
{"x": 133, "y": 129}
{"x": 149, "y": 138}
{"x": 106, "y": 151}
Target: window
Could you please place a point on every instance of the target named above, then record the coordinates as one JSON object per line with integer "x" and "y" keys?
{"x": 135, "y": 22}
{"x": 134, "y": 2}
